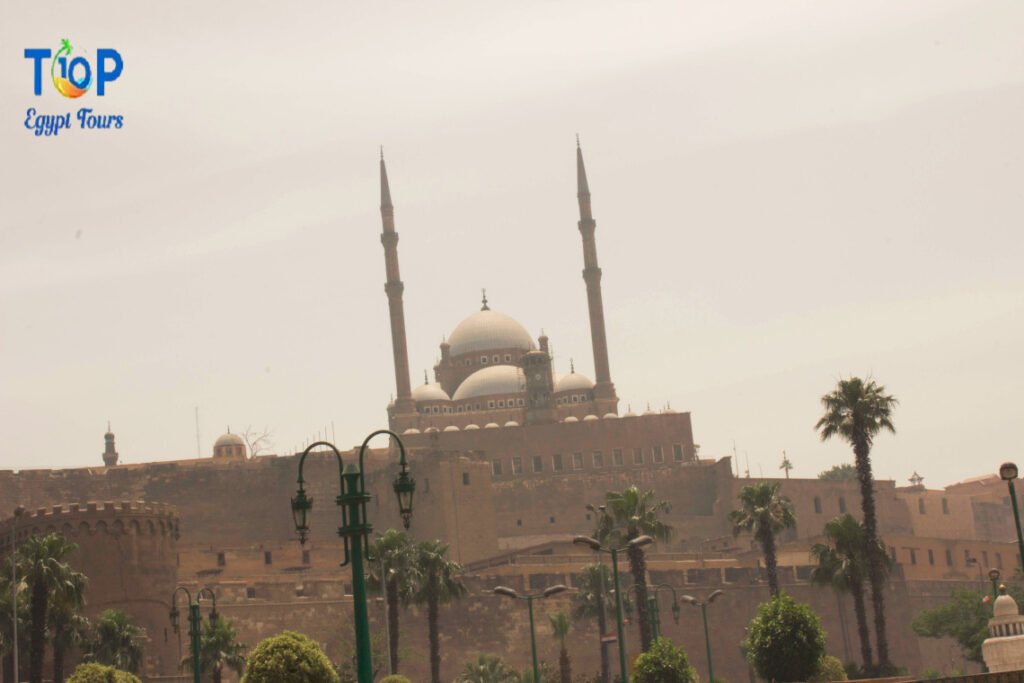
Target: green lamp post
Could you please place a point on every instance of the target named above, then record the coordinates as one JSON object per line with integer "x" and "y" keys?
{"x": 546, "y": 593}
{"x": 993, "y": 576}
{"x": 703, "y": 604}
{"x": 355, "y": 530}
{"x": 195, "y": 622}
{"x": 654, "y": 608}
{"x": 596, "y": 546}
{"x": 1008, "y": 472}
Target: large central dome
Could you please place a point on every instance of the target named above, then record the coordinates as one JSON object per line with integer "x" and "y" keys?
{"x": 488, "y": 330}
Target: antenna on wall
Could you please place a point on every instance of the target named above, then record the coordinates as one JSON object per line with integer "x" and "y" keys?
{"x": 198, "y": 440}
{"x": 735, "y": 458}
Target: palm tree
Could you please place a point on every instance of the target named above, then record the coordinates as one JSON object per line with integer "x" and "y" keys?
{"x": 593, "y": 599}
{"x": 764, "y": 513}
{"x": 117, "y": 641}
{"x": 786, "y": 464}
{"x": 6, "y": 622}
{"x": 841, "y": 565}
{"x": 66, "y": 624}
{"x": 635, "y": 514}
{"x": 560, "y": 628}
{"x": 438, "y": 582}
{"x": 857, "y": 410}
{"x": 488, "y": 669}
{"x": 396, "y": 552}
{"x": 42, "y": 561}
{"x": 218, "y": 649}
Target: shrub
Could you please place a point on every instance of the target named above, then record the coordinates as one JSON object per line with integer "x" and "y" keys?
{"x": 829, "y": 669}
{"x": 395, "y": 678}
{"x": 98, "y": 673}
{"x": 786, "y": 641}
{"x": 289, "y": 657}
{"x": 663, "y": 663}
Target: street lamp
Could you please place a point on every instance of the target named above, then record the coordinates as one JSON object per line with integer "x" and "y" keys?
{"x": 603, "y": 526}
{"x": 703, "y": 604}
{"x": 355, "y": 530}
{"x": 18, "y": 512}
{"x": 596, "y": 546}
{"x": 547, "y": 593}
{"x": 993, "y": 576}
{"x": 653, "y": 608}
{"x": 195, "y": 620}
{"x": 1008, "y": 472}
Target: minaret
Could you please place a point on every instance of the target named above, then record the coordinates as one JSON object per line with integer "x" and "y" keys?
{"x": 404, "y": 403}
{"x": 604, "y": 390}
{"x": 109, "y": 452}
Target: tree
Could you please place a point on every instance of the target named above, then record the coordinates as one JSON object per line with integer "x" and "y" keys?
{"x": 218, "y": 649}
{"x": 92, "y": 672}
{"x": 786, "y": 464}
{"x": 7, "y": 621}
{"x": 785, "y": 641}
{"x": 68, "y": 628}
{"x": 438, "y": 583}
{"x": 635, "y": 513}
{"x": 663, "y": 663}
{"x": 256, "y": 440}
{"x": 856, "y": 411}
{"x": 488, "y": 669}
{"x": 395, "y": 678}
{"x": 396, "y": 551}
{"x": 560, "y": 628}
{"x": 43, "y": 562}
{"x": 288, "y": 657}
{"x": 764, "y": 513}
{"x": 594, "y": 599}
{"x": 844, "y": 472}
{"x": 964, "y": 619}
{"x": 842, "y": 565}
{"x": 116, "y": 641}
{"x": 830, "y": 669}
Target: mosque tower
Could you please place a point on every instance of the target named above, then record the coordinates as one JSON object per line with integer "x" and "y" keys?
{"x": 109, "y": 451}
{"x": 604, "y": 390}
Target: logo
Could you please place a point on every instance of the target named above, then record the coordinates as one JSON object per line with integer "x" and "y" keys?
{"x": 73, "y": 75}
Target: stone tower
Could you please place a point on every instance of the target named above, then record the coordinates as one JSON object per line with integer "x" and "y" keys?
{"x": 604, "y": 390}
{"x": 540, "y": 405}
{"x": 109, "y": 452}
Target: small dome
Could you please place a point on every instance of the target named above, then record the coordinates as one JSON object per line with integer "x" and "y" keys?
{"x": 590, "y": 418}
{"x": 511, "y": 423}
{"x": 573, "y": 381}
{"x": 491, "y": 425}
{"x": 451, "y": 428}
{"x": 430, "y": 392}
{"x": 229, "y": 439}
{"x": 430, "y": 430}
{"x": 570, "y": 419}
{"x": 488, "y": 330}
{"x": 492, "y": 381}
{"x": 469, "y": 427}
{"x": 411, "y": 430}
{"x": 1005, "y": 606}
{"x": 610, "y": 416}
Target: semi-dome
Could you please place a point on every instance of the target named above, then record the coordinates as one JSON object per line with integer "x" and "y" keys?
{"x": 429, "y": 392}
{"x": 488, "y": 330}
{"x": 492, "y": 381}
{"x": 574, "y": 381}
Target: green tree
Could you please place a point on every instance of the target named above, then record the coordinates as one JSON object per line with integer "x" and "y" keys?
{"x": 663, "y": 663}
{"x": 219, "y": 649}
{"x": 830, "y": 669}
{"x": 488, "y": 669}
{"x": 560, "y": 629}
{"x": 593, "y": 599}
{"x": 764, "y": 513}
{"x": 395, "y": 678}
{"x": 844, "y": 472}
{"x": 964, "y": 619}
{"x": 841, "y": 564}
{"x": 116, "y": 641}
{"x": 438, "y": 582}
{"x": 785, "y": 640}
{"x": 92, "y": 672}
{"x": 397, "y": 552}
{"x": 634, "y": 513}
{"x": 43, "y": 562}
{"x": 288, "y": 657}
{"x": 68, "y": 629}
{"x": 7, "y": 621}
{"x": 856, "y": 411}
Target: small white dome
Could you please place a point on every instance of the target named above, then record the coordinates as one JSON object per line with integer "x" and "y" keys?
{"x": 411, "y": 430}
{"x": 229, "y": 439}
{"x": 430, "y": 392}
{"x": 488, "y": 330}
{"x": 570, "y": 419}
{"x": 590, "y": 418}
{"x": 451, "y": 428}
{"x": 468, "y": 427}
{"x": 496, "y": 380}
{"x": 574, "y": 381}
{"x": 511, "y": 423}
{"x": 611, "y": 416}
{"x": 491, "y": 425}
{"x": 430, "y": 430}
{"x": 1005, "y": 606}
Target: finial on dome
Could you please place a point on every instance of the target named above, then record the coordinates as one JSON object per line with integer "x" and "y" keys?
{"x": 577, "y": 140}
{"x": 109, "y": 431}
{"x": 484, "y": 307}
{"x": 382, "y": 152}
{"x": 572, "y": 367}
{"x": 425, "y": 377}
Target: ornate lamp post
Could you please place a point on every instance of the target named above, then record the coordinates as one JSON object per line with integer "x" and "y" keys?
{"x": 355, "y": 531}
{"x": 993, "y": 576}
{"x": 1008, "y": 472}
{"x": 603, "y": 526}
{"x": 596, "y": 546}
{"x": 195, "y": 620}
{"x": 654, "y": 608}
{"x": 703, "y": 604}
{"x": 547, "y": 593}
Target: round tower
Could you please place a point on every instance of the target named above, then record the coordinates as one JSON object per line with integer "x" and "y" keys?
{"x": 109, "y": 451}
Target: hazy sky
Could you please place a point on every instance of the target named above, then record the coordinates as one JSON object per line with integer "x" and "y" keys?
{"x": 786, "y": 193}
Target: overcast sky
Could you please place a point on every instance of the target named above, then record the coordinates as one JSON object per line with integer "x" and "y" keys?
{"x": 786, "y": 193}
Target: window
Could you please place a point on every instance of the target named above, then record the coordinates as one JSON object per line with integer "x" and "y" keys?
{"x": 268, "y": 557}
{"x": 817, "y": 504}
{"x": 598, "y": 459}
{"x": 556, "y": 462}
{"x": 575, "y": 398}
{"x": 617, "y": 457}
{"x": 657, "y": 455}
{"x": 842, "y": 504}
{"x": 221, "y": 561}
{"x": 508, "y": 357}
{"x": 999, "y": 560}
{"x": 501, "y": 403}
{"x": 892, "y": 553}
{"x": 490, "y": 405}
{"x": 931, "y": 557}
{"x": 495, "y": 468}
{"x": 520, "y": 402}
{"x": 305, "y": 557}
{"x": 465, "y": 478}
{"x": 984, "y": 558}
{"x": 577, "y": 461}
{"x": 519, "y": 522}
{"x": 913, "y": 555}
{"x": 638, "y": 456}
{"x": 677, "y": 452}
{"x": 551, "y": 520}
{"x": 949, "y": 557}
{"x": 496, "y": 358}
{"x": 426, "y": 485}
{"x": 250, "y": 592}
{"x": 920, "y": 506}
{"x": 945, "y": 506}
{"x": 517, "y": 464}
{"x": 538, "y": 463}
{"x": 483, "y": 360}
